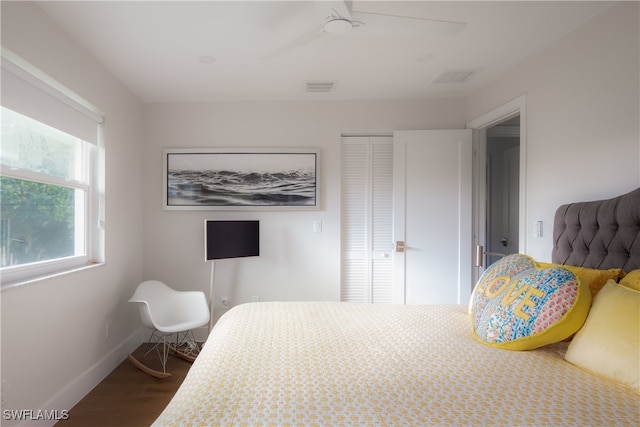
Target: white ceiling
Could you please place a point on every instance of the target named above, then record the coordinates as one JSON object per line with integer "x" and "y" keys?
{"x": 156, "y": 47}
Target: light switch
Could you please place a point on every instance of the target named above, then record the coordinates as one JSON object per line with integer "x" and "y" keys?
{"x": 538, "y": 229}
{"x": 317, "y": 226}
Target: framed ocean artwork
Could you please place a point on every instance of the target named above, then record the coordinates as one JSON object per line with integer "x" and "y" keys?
{"x": 241, "y": 179}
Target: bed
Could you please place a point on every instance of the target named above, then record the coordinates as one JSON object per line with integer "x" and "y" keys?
{"x": 333, "y": 363}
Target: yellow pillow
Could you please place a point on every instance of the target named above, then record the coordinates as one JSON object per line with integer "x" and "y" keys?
{"x": 593, "y": 277}
{"x": 632, "y": 280}
{"x": 609, "y": 342}
{"x": 517, "y": 305}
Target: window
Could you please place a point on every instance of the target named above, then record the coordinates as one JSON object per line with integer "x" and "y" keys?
{"x": 50, "y": 178}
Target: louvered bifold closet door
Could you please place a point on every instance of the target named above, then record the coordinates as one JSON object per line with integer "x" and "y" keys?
{"x": 367, "y": 201}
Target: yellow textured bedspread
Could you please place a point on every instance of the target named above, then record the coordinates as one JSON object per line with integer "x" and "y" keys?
{"x": 327, "y": 363}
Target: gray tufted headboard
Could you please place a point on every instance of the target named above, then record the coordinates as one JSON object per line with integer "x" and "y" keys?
{"x": 602, "y": 234}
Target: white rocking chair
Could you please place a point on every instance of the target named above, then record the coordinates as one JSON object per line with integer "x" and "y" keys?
{"x": 166, "y": 312}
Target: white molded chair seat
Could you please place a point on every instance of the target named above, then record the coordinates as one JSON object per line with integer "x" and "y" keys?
{"x": 167, "y": 311}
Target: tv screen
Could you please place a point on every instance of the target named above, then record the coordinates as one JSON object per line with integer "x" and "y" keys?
{"x": 231, "y": 239}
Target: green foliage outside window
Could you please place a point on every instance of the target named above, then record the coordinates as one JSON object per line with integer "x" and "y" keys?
{"x": 37, "y": 221}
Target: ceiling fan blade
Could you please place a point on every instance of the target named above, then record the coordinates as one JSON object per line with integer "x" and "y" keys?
{"x": 304, "y": 39}
{"x": 326, "y": 8}
{"x": 375, "y": 24}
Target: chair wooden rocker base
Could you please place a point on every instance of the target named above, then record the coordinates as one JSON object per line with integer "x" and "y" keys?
{"x": 167, "y": 312}
{"x": 144, "y": 368}
{"x": 186, "y": 349}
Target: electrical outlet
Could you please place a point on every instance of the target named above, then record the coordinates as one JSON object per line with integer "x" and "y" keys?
{"x": 224, "y": 302}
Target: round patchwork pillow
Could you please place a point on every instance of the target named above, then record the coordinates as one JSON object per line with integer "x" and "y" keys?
{"x": 519, "y": 305}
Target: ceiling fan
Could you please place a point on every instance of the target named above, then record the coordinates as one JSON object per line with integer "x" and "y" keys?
{"x": 340, "y": 19}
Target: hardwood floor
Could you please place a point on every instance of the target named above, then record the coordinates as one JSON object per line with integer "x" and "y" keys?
{"x": 128, "y": 397}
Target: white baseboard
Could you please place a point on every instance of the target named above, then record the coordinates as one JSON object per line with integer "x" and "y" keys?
{"x": 68, "y": 396}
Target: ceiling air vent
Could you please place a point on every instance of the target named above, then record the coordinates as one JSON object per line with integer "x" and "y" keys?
{"x": 453, "y": 76}
{"x": 320, "y": 87}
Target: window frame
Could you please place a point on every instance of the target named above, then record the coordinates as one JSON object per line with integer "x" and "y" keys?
{"x": 91, "y": 183}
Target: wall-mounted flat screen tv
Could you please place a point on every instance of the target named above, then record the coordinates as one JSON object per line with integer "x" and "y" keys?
{"x": 231, "y": 239}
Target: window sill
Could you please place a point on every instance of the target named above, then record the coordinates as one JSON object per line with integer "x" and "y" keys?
{"x": 34, "y": 280}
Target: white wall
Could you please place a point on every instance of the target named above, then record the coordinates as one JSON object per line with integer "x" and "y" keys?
{"x": 582, "y": 143}
{"x": 54, "y": 344}
{"x": 582, "y": 117}
{"x": 295, "y": 263}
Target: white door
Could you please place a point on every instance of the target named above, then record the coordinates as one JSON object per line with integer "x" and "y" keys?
{"x": 367, "y": 208}
{"x": 432, "y": 216}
